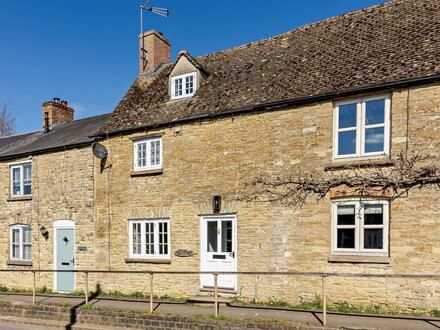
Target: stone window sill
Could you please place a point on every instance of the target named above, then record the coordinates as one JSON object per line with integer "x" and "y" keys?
{"x": 146, "y": 172}
{"x": 147, "y": 261}
{"x": 20, "y": 198}
{"x": 359, "y": 259}
{"x": 359, "y": 162}
{"x": 19, "y": 263}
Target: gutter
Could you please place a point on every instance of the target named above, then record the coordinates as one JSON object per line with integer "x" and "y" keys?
{"x": 274, "y": 106}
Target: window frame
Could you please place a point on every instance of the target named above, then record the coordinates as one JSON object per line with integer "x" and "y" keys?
{"x": 359, "y": 226}
{"x": 148, "y": 165}
{"x": 20, "y": 166}
{"x": 21, "y": 242}
{"x": 361, "y": 128}
{"x": 183, "y": 77}
{"x": 143, "y": 254}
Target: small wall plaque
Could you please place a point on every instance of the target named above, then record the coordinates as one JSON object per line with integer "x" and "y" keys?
{"x": 82, "y": 248}
{"x": 184, "y": 253}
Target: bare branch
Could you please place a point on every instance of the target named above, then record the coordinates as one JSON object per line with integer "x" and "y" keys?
{"x": 406, "y": 172}
{"x": 7, "y": 121}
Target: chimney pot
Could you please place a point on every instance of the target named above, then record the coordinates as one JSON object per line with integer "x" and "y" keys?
{"x": 154, "y": 49}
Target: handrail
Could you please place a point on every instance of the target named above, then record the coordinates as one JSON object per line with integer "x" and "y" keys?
{"x": 216, "y": 274}
{"x": 153, "y": 272}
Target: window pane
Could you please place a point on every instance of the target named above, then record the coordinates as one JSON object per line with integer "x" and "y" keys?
{"x": 189, "y": 84}
{"x": 141, "y": 154}
{"x": 136, "y": 238}
{"x": 345, "y": 238}
{"x": 347, "y": 115}
{"x": 163, "y": 238}
{"x": 27, "y": 172}
{"x": 27, "y": 188}
{"x": 16, "y": 251}
{"x": 27, "y": 252}
{"x": 16, "y": 188}
{"x": 374, "y": 139}
{"x": 149, "y": 238}
{"x": 15, "y": 235}
{"x": 178, "y": 87}
{"x": 155, "y": 152}
{"x": 373, "y": 214}
{"x": 373, "y": 238}
{"x": 375, "y": 112}
{"x": 347, "y": 143}
{"x": 27, "y": 235}
{"x": 16, "y": 181}
{"x": 226, "y": 236}
{"x": 212, "y": 236}
{"x": 346, "y": 215}
{"x": 16, "y": 174}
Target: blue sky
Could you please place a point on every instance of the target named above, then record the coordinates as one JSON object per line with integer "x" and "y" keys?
{"x": 86, "y": 51}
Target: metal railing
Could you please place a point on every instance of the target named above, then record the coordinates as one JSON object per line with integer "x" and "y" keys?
{"x": 216, "y": 275}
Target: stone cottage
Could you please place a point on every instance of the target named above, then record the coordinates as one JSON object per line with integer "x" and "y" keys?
{"x": 189, "y": 136}
{"x": 47, "y": 191}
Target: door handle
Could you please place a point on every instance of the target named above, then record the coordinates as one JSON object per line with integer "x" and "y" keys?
{"x": 232, "y": 254}
{"x": 72, "y": 261}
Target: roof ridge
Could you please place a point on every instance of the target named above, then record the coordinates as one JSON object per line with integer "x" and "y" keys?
{"x": 91, "y": 117}
{"x": 38, "y": 131}
{"x": 385, "y": 4}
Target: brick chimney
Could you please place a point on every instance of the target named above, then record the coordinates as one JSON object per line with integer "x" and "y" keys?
{"x": 154, "y": 50}
{"x": 57, "y": 111}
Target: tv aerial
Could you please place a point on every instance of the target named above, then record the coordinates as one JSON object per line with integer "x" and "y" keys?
{"x": 155, "y": 10}
{"x": 99, "y": 150}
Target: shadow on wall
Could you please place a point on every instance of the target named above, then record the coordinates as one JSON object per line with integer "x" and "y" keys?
{"x": 73, "y": 310}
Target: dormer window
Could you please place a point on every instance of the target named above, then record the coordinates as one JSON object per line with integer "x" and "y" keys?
{"x": 183, "y": 86}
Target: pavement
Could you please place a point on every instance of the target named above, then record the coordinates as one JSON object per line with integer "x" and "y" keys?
{"x": 310, "y": 318}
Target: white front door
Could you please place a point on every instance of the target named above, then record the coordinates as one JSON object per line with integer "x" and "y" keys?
{"x": 218, "y": 251}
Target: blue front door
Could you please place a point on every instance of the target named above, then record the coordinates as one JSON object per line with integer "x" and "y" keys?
{"x": 65, "y": 241}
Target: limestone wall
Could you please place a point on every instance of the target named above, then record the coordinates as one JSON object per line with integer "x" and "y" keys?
{"x": 62, "y": 189}
{"x": 218, "y": 157}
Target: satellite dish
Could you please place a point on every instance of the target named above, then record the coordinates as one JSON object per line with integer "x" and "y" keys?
{"x": 99, "y": 150}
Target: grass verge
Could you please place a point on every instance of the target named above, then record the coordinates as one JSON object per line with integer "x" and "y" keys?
{"x": 336, "y": 306}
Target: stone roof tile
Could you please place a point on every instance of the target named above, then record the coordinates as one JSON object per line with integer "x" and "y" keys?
{"x": 395, "y": 41}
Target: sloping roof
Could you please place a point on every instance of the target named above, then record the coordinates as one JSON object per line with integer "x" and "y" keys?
{"x": 395, "y": 41}
{"x": 16, "y": 138}
{"x": 63, "y": 135}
